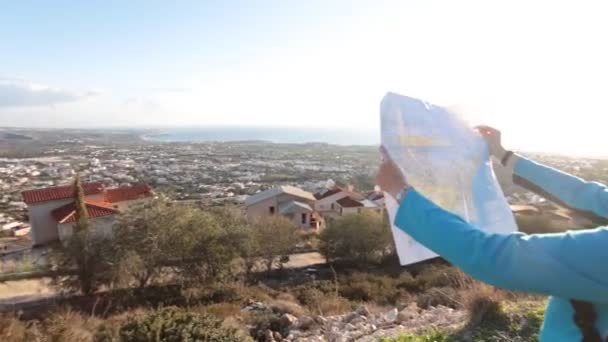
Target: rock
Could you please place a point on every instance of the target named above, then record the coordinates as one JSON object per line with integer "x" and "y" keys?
{"x": 277, "y": 336}
{"x": 363, "y": 311}
{"x": 358, "y": 320}
{"x": 321, "y": 320}
{"x": 391, "y": 315}
{"x": 408, "y": 313}
{"x": 333, "y": 336}
{"x": 287, "y": 320}
{"x": 305, "y": 322}
{"x": 255, "y": 306}
{"x": 268, "y": 336}
{"x": 350, "y": 327}
{"x": 349, "y": 317}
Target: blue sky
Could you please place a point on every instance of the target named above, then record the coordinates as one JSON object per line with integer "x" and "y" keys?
{"x": 523, "y": 66}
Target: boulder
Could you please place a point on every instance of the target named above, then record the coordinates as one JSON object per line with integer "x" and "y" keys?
{"x": 408, "y": 313}
{"x": 391, "y": 315}
{"x": 349, "y": 317}
{"x": 305, "y": 323}
{"x": 268, "y": 336}
{"x": 287, "y": 320}
{"x": 363, "y": 311}
{"x": 321, "y": 320}
{"x": 358, "y": 320}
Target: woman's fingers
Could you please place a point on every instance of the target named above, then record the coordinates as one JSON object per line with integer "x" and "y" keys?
{"x": 384, "y": 154}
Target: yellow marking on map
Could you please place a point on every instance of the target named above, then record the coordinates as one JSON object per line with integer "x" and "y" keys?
{"x": 421, "y": 140}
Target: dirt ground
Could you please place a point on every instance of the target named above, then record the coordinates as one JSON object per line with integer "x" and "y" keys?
{"x": 33, "y": 289}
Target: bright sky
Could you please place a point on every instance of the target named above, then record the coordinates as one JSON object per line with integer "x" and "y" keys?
{"x": 536, "y": 69}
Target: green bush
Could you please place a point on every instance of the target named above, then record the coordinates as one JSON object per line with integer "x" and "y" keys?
{"x": 433, "y": 336}
{"x": 378, "y": 288}
{"x": 172, "y": 324}
{"x": 260, "y": 322}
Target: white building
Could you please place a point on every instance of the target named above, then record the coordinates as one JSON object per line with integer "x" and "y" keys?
{"x": 337, "y": 201}
{"x": 291, "y": 202}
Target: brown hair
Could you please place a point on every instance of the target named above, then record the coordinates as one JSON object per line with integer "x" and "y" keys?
{"x": 584, "y": 318}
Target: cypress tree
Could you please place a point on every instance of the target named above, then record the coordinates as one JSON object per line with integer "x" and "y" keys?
{"x": 82, "y": 215}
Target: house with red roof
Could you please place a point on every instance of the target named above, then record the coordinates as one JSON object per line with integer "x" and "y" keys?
{"x": 51, "y": 210}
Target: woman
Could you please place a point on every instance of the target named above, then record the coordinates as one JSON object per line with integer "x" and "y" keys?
{"x": 567, "y": 266}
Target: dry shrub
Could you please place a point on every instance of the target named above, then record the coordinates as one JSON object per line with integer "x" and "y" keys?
{"x": 258, "y": 292}
{"x": 538, "y": 224}
{"x": 330, "y": 305}
{"x": 408, "y": 282}
{"x": 223, "y": 310}
{"x": 442, "y": 276}
{"x": 283, "y": 306}
{"x": 14, "y": 330}
{"x": 309, "y": 296}
{"x": 482, "y": 303}
{"x": 70, "y": 326}
{"x": 365, "y": 287}
{"x": 435, "y": 296}
{"x": 286, "y": 296}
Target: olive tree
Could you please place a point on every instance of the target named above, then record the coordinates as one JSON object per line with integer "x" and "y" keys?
{"x": 361, "y": 238}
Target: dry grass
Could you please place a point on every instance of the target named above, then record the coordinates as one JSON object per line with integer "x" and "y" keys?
{"x": 287, "y": 297}
{"x": 257, "y": 292}
{"x": 69, "y": 326}
{"x": 331, "y": 305}
{"x": 64, "y": 325}
{"x": 14, "y": 330}
{"x": 223, "y": 310}
{"x": 284, "y": 306}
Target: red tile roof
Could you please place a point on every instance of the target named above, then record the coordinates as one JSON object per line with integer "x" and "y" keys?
{"x": 58, "y": 193}
{"x": 127, "y": 193}
{"x": 348, "y": 202}
{"x": 67, "y": 213}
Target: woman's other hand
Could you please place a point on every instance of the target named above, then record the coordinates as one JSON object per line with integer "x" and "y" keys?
{"x": 492, "y": 136}
{"x": 390, "y": 178}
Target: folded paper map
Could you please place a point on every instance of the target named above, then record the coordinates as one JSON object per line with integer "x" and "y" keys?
{"x": 446, "y": 161}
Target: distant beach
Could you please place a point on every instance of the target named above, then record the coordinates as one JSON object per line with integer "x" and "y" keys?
{"x": 290, "y": 135}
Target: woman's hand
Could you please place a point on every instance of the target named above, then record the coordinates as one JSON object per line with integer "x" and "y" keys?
{"x": 492, "y": 136}
{"x": 390, "y": 178}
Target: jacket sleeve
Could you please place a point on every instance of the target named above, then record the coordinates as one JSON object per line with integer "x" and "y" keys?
{"x": 569, "y": 265}
{"x": 589, "y": 199}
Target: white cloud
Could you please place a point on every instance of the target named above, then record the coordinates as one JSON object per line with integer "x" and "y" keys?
{"x": 19, "y": 93}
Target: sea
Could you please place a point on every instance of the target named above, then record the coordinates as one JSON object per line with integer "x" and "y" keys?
{"x": 290, "y": 135}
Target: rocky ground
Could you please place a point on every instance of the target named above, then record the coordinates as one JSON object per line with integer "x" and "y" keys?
{"x": 361, "y": 325}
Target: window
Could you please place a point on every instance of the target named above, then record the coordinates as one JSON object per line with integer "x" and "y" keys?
{"x": 359, "y": 210}
{"x": 332, "y": 206}
{"x": 303, "y": 218}
{"x": 271, "y": 210}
